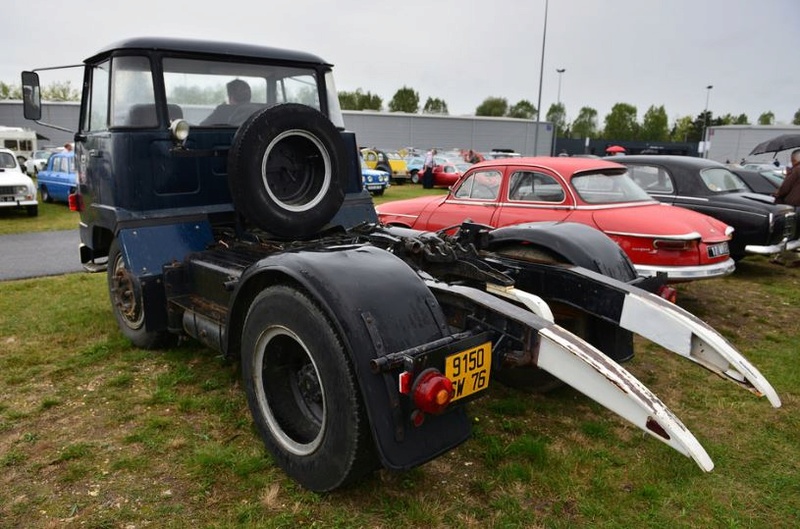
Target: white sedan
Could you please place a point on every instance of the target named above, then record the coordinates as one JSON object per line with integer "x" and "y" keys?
{"x": 16, "y": 189}
{"x": 36, "y": 162}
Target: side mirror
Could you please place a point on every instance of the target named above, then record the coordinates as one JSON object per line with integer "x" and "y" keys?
{"x": 31, "y": 96}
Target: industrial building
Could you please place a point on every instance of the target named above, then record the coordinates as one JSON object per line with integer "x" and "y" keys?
{"x": 386, "y": 130}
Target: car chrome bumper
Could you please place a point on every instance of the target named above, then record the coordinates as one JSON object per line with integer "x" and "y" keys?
{"x": 774, "y": 248}
{"x": 17, "y": 203}
{"x": 688, "y": 273}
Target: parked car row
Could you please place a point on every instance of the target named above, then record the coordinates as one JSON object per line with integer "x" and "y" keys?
{"x": 761, "y": 226}
{"x": 632, "y": 199}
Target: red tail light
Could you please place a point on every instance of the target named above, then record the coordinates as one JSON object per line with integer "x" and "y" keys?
{"x": 75, "y": 202}
{"x": 672, "y": 244}
{"x": 432, "y": 391}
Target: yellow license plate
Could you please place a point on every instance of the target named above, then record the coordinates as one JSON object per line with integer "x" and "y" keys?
{"x": 469, "y": 370}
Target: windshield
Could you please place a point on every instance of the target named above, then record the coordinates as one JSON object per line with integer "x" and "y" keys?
{"x": 223, "y": 94}
{"x": 721, "y": 180}
{"x": 608, "y": 188}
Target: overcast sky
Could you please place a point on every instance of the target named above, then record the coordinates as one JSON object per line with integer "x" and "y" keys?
{"x": 641, "y": 52}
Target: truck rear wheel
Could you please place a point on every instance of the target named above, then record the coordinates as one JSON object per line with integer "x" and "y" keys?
{"x": 127, "y": 303}
{"x": 288, "y": 170}
{"x": 302, "y": 391}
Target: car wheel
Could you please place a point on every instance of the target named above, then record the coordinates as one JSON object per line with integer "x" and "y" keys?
{"x": 288, "y": 170}
{"x": 127, "y": 303}
{"x": 415, "y": 177}
{"x": 302, "y": 392}
{"x": 46, "y": 194}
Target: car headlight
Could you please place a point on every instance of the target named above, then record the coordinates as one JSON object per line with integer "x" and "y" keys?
{"x": 21, "y": 190}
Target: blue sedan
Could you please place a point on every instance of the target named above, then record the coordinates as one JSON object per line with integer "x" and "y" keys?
{"x": 58, "y": 179}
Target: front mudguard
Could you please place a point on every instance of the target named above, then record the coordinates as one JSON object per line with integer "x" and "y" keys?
{"x": 378, "y": 305}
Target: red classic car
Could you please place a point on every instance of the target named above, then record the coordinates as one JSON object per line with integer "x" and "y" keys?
{"x": 447, "y": 173}
{"x": 684, "y": 244}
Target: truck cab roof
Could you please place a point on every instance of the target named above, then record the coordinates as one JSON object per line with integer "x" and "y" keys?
{"x": 207, "y": 47}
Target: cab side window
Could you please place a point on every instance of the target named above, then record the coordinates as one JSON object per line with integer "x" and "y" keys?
{"x": 99, "y": 95}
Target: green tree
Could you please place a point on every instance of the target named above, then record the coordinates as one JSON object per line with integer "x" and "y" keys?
{"x": 655, "y": 125}
{"x": 682, "y": 129}
{"x": 522, "y": 109}
{"x": 60, "y": 91}
{"x": 557, "y": 115}
{"x": 766, "y": 118}
{"x": 9, "y": 91}
{"x": 434, "y": 105}
{"x": 492, "y": 106}
{"x": 585, "y": 125}
{"x": 796, "y": 120}
{"x": 405, "y": 100}
{"x": 620, "y": 123}
{"x": 359, "y": 100}
{"x": 742, "y": 119}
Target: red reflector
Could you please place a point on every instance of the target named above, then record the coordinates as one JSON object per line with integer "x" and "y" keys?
{"x": 668, "y": 293}
{"x": 75, "y": 202}
{"x": 432, "y": 391}
{"x": 405, "y": 382}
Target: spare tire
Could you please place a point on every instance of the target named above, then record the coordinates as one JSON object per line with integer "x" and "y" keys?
{"x": 287, "y": 170}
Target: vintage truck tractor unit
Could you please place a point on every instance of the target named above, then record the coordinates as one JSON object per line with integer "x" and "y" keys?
{"x": 220, "y": 191}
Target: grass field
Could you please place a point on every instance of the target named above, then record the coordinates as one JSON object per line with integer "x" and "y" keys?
{"x": 95, "y": 433}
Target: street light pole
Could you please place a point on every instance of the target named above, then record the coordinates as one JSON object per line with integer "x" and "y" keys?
{"x": 555, "y": 129}
{"x": 705, "y": 121}
{"x": 541, "y": 77}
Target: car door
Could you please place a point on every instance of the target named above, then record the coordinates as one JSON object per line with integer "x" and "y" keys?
{"x": 533, "y": 195}
{"x": 60, "y": 189}
{"x": 474, "y": 198}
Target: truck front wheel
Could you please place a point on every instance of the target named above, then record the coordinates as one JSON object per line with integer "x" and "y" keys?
{"x": 127, "y": 303}
{"x": 302, "y": 391}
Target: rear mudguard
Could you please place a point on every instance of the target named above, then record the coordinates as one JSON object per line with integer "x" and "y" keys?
{"x": 578, "y": 244}
{"x": 378, "y": 305}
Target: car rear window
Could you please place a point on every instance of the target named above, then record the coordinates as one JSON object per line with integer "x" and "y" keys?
{"x": 608, "y": 188}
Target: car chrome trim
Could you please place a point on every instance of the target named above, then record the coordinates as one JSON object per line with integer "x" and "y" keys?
{"x": 687, "y": 273}
{"x": 554, "y": 205}
{"x": 772, "y": 249}
{"x": 678, "y": 237}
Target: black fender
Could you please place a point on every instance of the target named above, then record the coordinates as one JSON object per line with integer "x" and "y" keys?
{"x": 578, "y": 244}
{"x": 378, "y": 305}
{"x": 585, "y": 247}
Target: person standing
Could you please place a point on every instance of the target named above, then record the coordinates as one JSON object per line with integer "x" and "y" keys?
{"x": 427, "y": 169}
{"x": 789, "y": 191}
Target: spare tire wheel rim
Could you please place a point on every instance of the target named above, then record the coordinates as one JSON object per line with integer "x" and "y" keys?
{"x": 289, "y": 179}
